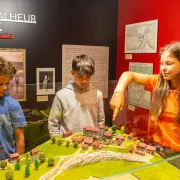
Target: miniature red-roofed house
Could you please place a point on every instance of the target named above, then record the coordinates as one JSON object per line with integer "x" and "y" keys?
{"x": 134, "y": 138}
{"x": 88, "y": 141}
{"x": 101, "y": 126}
{"x": 34, "y": 151}
{"x": 84, "y": 146}
{"x": 77, "y": 139}
{"x": 150, "y": 149}
{"x": 130, "y": 136}
{"x": 100, "y": 146}
{"x": 140, "y": 152}
{"x": 13, "y": 157}
{"x": 107, "y": 135}
{"x": 90, "y": 131}
{"x": 119, "y": 138}
{"x": 141, "y": 146}
{"x": 97, "y": 145}
{"x": 68, "y": 133}
{"x": 97, "y": 138}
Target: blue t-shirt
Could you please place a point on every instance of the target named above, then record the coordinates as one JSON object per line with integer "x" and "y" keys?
{"x": 11, "y": 116}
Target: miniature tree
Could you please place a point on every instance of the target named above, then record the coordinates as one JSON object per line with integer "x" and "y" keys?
{"x": 27, "y": 171}
{"x": 114, "y": 128}
{"x": 9, "y": 175}
{"x": 42, "y": 157}
{"x": 17, "y": 166}
{"x": 51, "y": 161}
{"x": 75, "y": 144}
{"x": 141, "y": 140}
{"x": 67, "y": 143}
{"x": 53, "y": 140}
{"x": 36, "y": 164}
{"x": 3, "y": 164}
{"x": 122, "y": 129}
{"x": 59, "y": 142}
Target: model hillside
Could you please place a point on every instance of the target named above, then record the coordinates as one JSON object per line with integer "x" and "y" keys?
{"x": 96, "y": 152}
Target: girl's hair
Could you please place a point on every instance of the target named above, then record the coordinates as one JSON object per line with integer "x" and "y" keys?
{"x": 163, "y": 86}
{"x": 83, "y": 65}
{"x": 7, "y": 68}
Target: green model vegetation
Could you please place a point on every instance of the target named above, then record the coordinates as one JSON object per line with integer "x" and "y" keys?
{"x": 58, "y": 151}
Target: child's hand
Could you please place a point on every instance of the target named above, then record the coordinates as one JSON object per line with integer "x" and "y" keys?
{"x": 117, "y": 103}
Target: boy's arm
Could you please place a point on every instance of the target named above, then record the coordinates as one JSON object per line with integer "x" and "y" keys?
{"x": 54, "y": 117}
{"x": 19, "y": 140}
{"x": 18, "y": 122}
{"x": 101, "y": 116}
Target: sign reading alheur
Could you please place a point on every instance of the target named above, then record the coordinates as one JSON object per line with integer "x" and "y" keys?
{"x": 17, "y": 17}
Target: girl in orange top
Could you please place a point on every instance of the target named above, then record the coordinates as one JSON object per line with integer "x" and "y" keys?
{"x": 164, "y": 121}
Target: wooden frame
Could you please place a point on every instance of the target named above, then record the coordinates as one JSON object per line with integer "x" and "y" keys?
{"x": 17, "y": 86}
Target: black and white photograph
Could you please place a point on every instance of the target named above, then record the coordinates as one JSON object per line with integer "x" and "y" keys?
{"x": 45, "y": 81}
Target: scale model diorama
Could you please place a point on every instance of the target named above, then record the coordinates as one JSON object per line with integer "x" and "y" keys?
{"x": 97, "y": 152}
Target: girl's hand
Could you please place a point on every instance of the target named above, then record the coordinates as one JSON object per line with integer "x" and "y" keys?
{"x": 117, "y": 103}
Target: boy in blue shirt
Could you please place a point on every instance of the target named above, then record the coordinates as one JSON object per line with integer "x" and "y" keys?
{"x": 12, "y": 118}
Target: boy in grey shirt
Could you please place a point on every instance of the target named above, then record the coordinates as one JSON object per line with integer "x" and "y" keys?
{"x": 79, "y": 104}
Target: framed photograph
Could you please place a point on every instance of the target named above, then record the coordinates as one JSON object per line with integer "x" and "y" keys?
{"x": 45, "y": 81}
{"x": 17, "y": 86}
{"x": 141, "y": 37}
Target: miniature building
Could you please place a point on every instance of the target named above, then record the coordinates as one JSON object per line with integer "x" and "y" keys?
{"x": 140, "y": 152}
{"x": 68, "y": 133}
{"x": 141, "y": 146}
{"x": 120, "y": 142}
{"x": 76, "y": 139}
{"x": 120, "y": 138}
{"x": 130, "y": 136}
{"x": 84, "y": 146}
{"x": 107, "y": 135}
{"x": 101, "y": 126}
{"x": 34, "y": 151}
{"x": 88, "y": 141}
{"x": 134, "y": 138}
{"x": 97, "y": 137}
{"x": 13, "y": 157}
{"x": 90, "y": 131}
{"x": 150, "y": 149}
{"x": 97, "y": 145}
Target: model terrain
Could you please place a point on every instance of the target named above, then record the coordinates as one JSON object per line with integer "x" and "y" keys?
{"x": 92, "y": 154}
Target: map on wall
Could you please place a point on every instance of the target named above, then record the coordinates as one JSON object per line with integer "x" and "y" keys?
{"x": 141, "y": 37}
{"x": 137, "y": 96}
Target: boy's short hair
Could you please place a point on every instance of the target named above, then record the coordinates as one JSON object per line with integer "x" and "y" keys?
{"x": 7, "y": 68}
{"x": 83, "y": 65}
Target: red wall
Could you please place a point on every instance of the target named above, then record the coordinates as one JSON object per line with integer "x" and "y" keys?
{"x": 134, "y": 11}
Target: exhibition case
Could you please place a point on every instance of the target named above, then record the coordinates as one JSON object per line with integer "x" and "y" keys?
{"x": 118, "y": 149}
